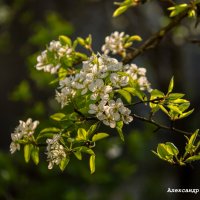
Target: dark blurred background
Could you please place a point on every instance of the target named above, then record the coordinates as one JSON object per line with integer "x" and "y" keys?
{"x": 125, "y": 171}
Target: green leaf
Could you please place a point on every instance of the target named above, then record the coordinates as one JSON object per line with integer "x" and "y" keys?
{"x": 99, "y": 136}
{"x": 184, "y": 106}
{"x": 173, "y": 96}
{"x": 172, "y": 149}
{"x": 89, "y": 39}
{"x": 50, "y": 130}
{"x": 92, "y": 164}
{"x": 193, "y": 158}
{"x": 157, "y": 93}
{"x": 164, "y": 109}
{"x": 136, "y": 92}
{"x": 120, "y": 10}
{"x": 78, "y": 154}
{"x": 82, "y": 134}
{"x": 180, "y": 101}
{"x": 81, "y": 41}
{"x": 57, "y": 116}
{"x": 64, "y": 162}
{"x": 162, "y": 151}
{"x": 119, "y": 130}
{"x": 125, "y": 94}
{"x": 171, "y": 85}
{"x": 175, "y": 10}
{"x": 65, "y": 40}
{"x": 44, "y": 135}
{"x": 87, "y": 150}
{"x": 174, "y": 109}
{"x": 27, "y": 152}
{"x": 92, "y": 129}
{"x": 190, "y": 144}
{"x": 35, "y": 154}
{"x": 81, "y": 55}
{"x": 135, "y": 38}
{"x": 186, "y": 114}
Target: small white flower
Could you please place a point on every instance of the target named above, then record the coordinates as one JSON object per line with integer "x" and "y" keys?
{"x": 13, "y": 147}
{"x": 96, "y": 85}
{"x": 114, "y": 43}
{"x": 119, "y": 81}
{"x": 23, "y": 131}
{"x": 52, "y": 63}
{"x": 55, "y": 151}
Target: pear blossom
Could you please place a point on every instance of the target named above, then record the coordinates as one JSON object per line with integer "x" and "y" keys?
{"x": 24, "y": 130}
{"x": 55, "y": 151}
{"x": 114, "y": 43}
{"x": 110, "y": 112}
{"x": 98, "y": 78}
{"x": 119, "y": 81}
{"x": 49, "y": 59}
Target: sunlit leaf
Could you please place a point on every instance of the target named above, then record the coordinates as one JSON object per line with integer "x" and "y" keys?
{"x": 35, "y": 154}
{"x": 81, "y": 134}
{"x": 64, "y": 162}
{"x": 57, "y": 116}
{"x": 119, "y": 130}
{"x": 125, "y": 94}
{"x": 171, "y": 85}
{"x": 99, "y": 136}
{"x": 92, "y": 164}
{"x": 120, "y": 10}
{"x": 27, "y": 152}
{"x": 193, "y": 158}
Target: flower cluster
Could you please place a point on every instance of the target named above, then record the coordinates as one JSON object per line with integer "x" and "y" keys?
{"x": 99, "y": 78}
{"x": 111, "y": 112}
{"x": 114, "y": 43}
{"x": 55, "y": 151}
{"x": 22, "y": 132}
{"x": 50, "y": 59}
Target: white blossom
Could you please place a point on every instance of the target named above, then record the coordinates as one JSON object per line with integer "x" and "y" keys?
{"x": 23, "y": 131}
{"x": 49, "y": 59}
{"x": 110, "y": 112}
{"x": 98, "y": 78}
{"x": 114, "y": 43}
{"x": 55, "y": 151}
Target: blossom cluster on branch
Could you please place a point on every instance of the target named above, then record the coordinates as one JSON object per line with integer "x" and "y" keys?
{"x": 96, "y": 89}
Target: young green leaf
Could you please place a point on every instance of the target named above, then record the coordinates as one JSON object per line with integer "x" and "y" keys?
{"x": 135, "y": 38}
{"x": 92, "y": 164}
{"x": 57, "y": 116}
{"x": 191, "y": 141}
{"x": 64, "y": 162}
{"x": 27, "y": 152}
{"x": 65, "y": 40}
{"x": 172, "y": 149}
{"x": 78, "y": 154}
{"x": 92, "y": 129}
{"x": 82, "y": 134}
{"x": 50, "y": 130}
{"x": 35, "y": 154}
{"x": 99, "y": 136}
{"x": 120, "y": 10}
{"x": 193, "y": 158}
{"x": 119, "y": 130}
{"x": 186, "y": 114}
{"x": 125, "y": 94}
{"x": 171, "y": 85}
{"x": 87, "y": 150}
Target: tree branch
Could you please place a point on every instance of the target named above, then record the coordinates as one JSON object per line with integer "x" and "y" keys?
{"x": 155, "y": 39}
{"x": 160, "y": 126}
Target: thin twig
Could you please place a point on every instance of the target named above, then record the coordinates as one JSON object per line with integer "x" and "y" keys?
{"x": 160, "y": 126}
{"x": 155, "y": 39}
